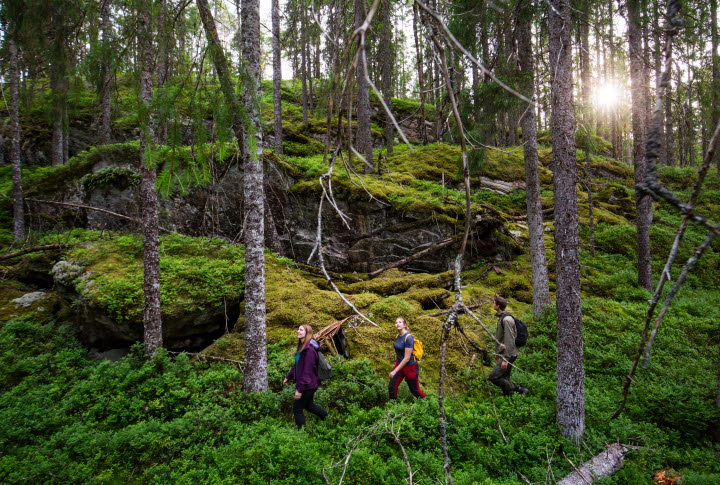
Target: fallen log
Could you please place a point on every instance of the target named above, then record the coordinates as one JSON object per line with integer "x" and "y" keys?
{"x": 45, "y": 247}
{"x": 413, "y": 257}
{"x": 601, "y": 466}
{"x": 96, "y": 209}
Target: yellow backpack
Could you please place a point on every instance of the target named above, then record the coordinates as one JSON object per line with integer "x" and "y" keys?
{"x": 418, "y": 351}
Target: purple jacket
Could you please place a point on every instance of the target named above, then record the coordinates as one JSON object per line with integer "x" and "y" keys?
{"x": 304, "y": 373}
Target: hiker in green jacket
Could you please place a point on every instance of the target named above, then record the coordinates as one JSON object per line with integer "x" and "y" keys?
{"x": 506, "y": 352}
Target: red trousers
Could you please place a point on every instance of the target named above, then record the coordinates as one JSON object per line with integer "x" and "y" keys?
{"x": 410, "y": 374}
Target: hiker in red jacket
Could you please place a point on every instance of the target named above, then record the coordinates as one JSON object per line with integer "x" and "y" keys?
{"x": 304, "y": 374}
{"x": 405, "y": 365}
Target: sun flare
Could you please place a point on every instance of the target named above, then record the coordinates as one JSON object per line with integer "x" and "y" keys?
{"x": 607, "y": 95}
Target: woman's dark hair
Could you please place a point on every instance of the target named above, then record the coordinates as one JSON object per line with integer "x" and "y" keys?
{"x": 500, "y": 302}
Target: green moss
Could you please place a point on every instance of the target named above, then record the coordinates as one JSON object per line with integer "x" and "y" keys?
{"x": 430, "y": 162}
{"x": 194, "y": 273}
{"x": 117, "y": 177}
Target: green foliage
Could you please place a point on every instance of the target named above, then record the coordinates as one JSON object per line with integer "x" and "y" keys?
{"x": 115, "y": 176}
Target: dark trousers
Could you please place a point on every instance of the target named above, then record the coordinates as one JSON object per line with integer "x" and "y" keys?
{"x": 501, "y": 377}
{"x": 306, "y": 402}
{"x": 410, "y": 374}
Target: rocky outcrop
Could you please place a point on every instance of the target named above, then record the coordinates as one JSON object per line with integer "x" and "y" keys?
{"x": 377, "y": 234}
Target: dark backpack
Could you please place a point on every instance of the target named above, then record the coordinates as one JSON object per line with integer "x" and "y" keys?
{"x": 521, "y": 333}
{"x": 323, "y": 369}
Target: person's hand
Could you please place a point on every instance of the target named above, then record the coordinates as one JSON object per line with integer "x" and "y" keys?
{"x": 504, "y": 364}
{"x": 285, "y": 381}
{"x": 298, "y": 395}
{"x": 392, "y": 374}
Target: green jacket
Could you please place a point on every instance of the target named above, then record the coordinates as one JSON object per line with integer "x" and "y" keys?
{"x": 505, "y": 334}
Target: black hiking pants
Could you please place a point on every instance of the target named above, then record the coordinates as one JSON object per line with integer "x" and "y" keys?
{"x": 306, "y": 402}
{"x": 501, "y": 377}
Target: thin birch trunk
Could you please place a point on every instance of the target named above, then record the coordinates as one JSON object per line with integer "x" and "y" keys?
{"x": 277, "y": 77}
{"x": 14, "y": 108}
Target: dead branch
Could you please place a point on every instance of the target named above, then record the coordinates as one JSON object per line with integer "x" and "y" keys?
{"x": 453, "y": 41}
{"x": 600, "y": 466}
{"x": 205, "y": 357}
{"x": 445, "y": 312}
{"x": 97, "y": 209}
{"x": 413, "y": 257}
{"x": 45, "y": 247}
{"x": 317, "y": 271}
{"x": 318, "y": 241}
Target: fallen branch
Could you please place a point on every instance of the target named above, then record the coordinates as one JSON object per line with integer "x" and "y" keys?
{"x": 96, "y": 209}
{"x": 317, "y": 271}
{"x": 601, "y": 466}
{"x": 413, "y": 257}
{"x": 445, "y": 312}
{"x": 46, "y": 247}
{"x": 524, "y": 216}
{"x": 205, "y": 357}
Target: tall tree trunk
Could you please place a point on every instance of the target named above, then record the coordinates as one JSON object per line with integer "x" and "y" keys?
{"x": 277, "y": 76}
{"x": 715, "y": 72}
{"x": 386, "y": 68}
{"x": 256, "y": 376}
{"x": 643, "y": 203}
{"x": 570, "y": 371}
{"x": 58, "y": 87}
{"x": 105, "y": 115}
{"x": 657, "y": 60}
{"x": 14, "y": 108}
{"x": 584, "y": 35}
{"x": 616, "y": 142}
{"x": 421, "y": 77}
{"x": 363, "y": 139}
{"x": 162, "y": 66}
{"x": 669, "y": 135}
{"x": 304, "y": 67}
{"x": 151, "y": 253}
{"x": 541, "y": 285}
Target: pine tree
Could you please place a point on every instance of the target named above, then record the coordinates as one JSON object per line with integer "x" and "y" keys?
{"x": 570, "y": 371}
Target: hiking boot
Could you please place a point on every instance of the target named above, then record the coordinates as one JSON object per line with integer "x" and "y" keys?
{"x": 522, "y": 390}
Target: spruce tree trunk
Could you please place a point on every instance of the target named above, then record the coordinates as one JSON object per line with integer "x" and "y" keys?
{"x": 105, "y": 114}
{"x": 277, "y": 77}
{"x": 14, "y": 108}
{"x": 421, "y": 77}
{"x": 584, "y": 34}
{"x": 386, "y": 68}
{"x": 256, "y": 372}
{"x": 363, "y": 139}
{"x": 151, "y": 253}
{"x": 657, "y": 60}
{"x": 715, "y": 73}
{"x": 669, "y": 134}
{"x": 570, "y": 372}
{"x": 541, "y": 285}
{"x": 616, "y": 142}
{"x": 303, "y": 67}
{"x": 164, "y": 44}
{"x": 58, "y": 87}
{"x": 643, "y": 204}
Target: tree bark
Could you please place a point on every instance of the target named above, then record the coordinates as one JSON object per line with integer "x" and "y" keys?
{"x": 256, "y": 375}
{"x": 540, "y": 280}
{"x": 304, "y": 66}
{"x": 363, "y": 139}
{"x": 600, "y": 466}
{"x": 105, "y": 114}
{"x": 277, "y": 77}
{"x": 715, "y": 71}
{"x": 386, "y": 68}
{"x": 14, "y": 108}
{"x": 570, "y": 372}
{"x": 643, "y": 203}
{"x": 151, "y": 253}
{"x": 421, "y": 77}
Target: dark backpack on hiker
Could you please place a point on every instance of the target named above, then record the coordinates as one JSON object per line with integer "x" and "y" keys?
{"x": 521, "y": 333}
{"x": 323, "y": 369}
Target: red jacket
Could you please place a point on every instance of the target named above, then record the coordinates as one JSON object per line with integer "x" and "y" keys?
{"x": 304, "y": 372}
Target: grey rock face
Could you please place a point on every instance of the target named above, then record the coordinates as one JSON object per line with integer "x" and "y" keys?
{"x": 28, "y": 299}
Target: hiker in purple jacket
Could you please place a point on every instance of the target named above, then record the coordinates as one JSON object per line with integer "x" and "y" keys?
{"x": 304, "y": 374}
